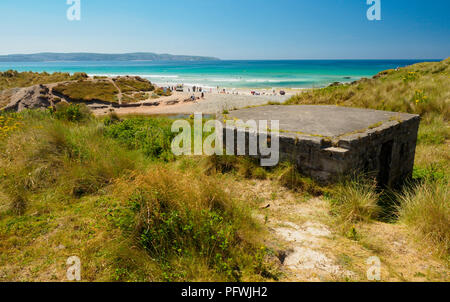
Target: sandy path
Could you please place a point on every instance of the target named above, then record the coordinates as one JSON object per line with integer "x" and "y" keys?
{"x": 312, "y": 247}
{"x": 119, "y": 94}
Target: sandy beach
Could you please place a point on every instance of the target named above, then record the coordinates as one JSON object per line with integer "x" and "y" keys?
{"x": 213, "y": 102}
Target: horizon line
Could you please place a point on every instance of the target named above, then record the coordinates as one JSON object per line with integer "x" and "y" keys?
{"x": 218, "y": 58}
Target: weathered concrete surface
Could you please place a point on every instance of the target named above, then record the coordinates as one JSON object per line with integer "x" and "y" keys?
{"x": 329, "y": 121}
{"x": 326, "y": 142}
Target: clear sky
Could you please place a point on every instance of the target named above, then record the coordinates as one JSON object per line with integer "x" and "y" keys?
{"x": 231, "y": 29}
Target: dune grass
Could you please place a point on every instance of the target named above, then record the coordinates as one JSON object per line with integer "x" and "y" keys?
{"x": 13, "y": 79}
{"x": 85, "y": 91}
{"x": 355, "y": 200}
{"x": 426, "y": 209}
{"x": 133, "y": 84}
{"x": 421, "y": 89}
{"x": 105, "y": 191}
{"x": 188, "y": 224}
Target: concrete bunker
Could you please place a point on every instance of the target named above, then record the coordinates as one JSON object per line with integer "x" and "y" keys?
{"x": 327, "y": 142}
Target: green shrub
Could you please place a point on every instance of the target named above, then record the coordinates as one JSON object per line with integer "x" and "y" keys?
{"x": 151, "y": 136}
{"x": 430, "y": 173}
{"x": 161, "y": 92}
{"x": 111, "y": 119}
{"x": 72, "y": 112}
{"x": 187, "y": 218}
{"x": 290, "y": 178}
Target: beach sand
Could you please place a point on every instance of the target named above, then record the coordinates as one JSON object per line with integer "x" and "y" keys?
{"x": 212, "y": 103}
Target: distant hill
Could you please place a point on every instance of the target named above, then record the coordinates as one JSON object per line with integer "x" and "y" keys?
{"x": 138, "y": 56}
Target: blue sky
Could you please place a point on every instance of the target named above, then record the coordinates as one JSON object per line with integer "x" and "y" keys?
{"x": 231, "y": 29}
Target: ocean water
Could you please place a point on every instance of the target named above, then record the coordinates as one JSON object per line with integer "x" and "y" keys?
{"x": 227, "y": 74}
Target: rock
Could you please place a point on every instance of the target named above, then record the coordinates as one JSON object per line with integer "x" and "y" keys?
{"x": 173, "y": 102}
{"x": 150, "y": 104}
{"x": 33, "y": 97}
{"x": 335, "y": 84}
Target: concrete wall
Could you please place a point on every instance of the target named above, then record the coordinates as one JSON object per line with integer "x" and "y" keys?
{"x": 386, "y": 152}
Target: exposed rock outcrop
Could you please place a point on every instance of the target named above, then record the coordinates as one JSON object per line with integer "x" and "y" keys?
{"x": 33, "y": 97}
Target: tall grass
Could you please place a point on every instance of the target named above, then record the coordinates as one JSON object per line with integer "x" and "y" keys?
{"x": 75, "y": 157}
{"x": 184, "y": 220}
{"x": 288, "y": 176}
{"x": 425, "y": 208}
{"x": 355, "y": 200}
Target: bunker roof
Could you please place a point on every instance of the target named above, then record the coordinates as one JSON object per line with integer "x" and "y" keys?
{"x": 321, "y": 120}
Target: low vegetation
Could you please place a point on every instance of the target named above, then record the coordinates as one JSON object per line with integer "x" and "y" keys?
{"x": 420, "y": 89}
{"x": 354, "y": 201}
{"x": 69, "y": 179}
{"x": 163, "y": 92}
{"x": 87, "y": 91}
{"x": 153, "y": 137}
{"x": 13, "y": 79}
{"x": 426, "y": 208}
{"x": 133, "y": 84}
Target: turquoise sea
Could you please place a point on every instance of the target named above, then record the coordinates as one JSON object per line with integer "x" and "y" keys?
{"x": 232, "y": 74}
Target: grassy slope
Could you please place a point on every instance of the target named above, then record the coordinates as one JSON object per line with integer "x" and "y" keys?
{"x": 78, "y": 87}
{"x": 13, "y": 79}
{"x": 109, "y": 193}
{"x": 420, "y": 88}
{"x": 85, "y": 90}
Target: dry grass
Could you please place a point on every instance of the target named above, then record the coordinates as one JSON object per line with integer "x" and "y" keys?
{"x": 128, "y": 217}
{"x": 86, "y": 91}
{"x": 136, "y": 84}
{"x": 355, "y": 201}
{"x": 426, "y": 210}
{"x": 13, "y": 79}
